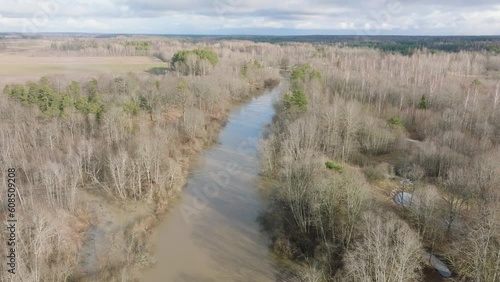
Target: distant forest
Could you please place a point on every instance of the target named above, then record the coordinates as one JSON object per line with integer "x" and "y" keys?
{"x": 405, "y": 45}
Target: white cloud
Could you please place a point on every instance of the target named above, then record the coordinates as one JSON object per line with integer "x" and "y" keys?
{"x": 201, "y": 16}
{"x": 90, "y": 24}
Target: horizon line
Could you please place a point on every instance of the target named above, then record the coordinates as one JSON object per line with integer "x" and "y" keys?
{"x": 239, "y": 34}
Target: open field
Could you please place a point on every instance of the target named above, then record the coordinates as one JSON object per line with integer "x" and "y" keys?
{"x": 23, "y": 45}
{"x": 20, "y": 68}
{"x": 21, "y": 65}
{"x": 24, "y": 60}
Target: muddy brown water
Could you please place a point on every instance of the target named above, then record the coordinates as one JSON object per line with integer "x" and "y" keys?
{"x": 212, "y": 233}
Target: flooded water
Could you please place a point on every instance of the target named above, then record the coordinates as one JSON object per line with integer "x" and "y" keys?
{"x": 212, "y": 233}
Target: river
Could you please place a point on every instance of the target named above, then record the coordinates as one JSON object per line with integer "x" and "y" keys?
{"x": 212, "y": 233}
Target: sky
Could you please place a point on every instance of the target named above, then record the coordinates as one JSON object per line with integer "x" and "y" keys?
{"x": 260, "y": 17}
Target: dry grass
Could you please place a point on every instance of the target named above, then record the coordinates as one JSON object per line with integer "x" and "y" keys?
{"x": 24, "y": 45}
{"x": 20, "y": 61}
{"x": 24, "y": 65}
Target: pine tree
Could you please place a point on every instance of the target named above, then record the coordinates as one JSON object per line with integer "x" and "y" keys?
{"x": 423, "y": 103}
{"x": 296, "y": 100}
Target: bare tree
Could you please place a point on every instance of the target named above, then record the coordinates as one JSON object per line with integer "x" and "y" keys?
{"x": 119, "y": 172}
{"x": 457, "y": 195}
{"x": 348, "y": 126}
{"x": 389, "y": 251}
{"x": 478, "y": 254}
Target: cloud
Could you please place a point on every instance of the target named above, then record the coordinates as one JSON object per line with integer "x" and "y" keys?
{"x": 219, "y": 16}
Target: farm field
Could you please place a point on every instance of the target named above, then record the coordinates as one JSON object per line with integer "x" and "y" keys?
{"x": 19, "y": 66}
{"x": 23, "y": 60}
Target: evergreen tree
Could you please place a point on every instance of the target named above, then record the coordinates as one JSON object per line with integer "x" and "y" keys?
{"x": 296, "y": 100}
{"x": 423, "y": 103}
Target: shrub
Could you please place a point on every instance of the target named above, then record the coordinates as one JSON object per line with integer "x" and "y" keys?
{"x": 271, "y": 83}
{"x": 335, "y": 166}
{"x": 396, "y": 122}
{"x": 244, "y": 70}
{"x": 131, "y": 107}
{"x": 157, "y": 70}
{"x": 373, "y": 174}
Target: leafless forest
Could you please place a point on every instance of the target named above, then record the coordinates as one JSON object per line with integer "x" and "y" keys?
{"x": 359, "y": 127}
{"x": 355, "y": 128}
